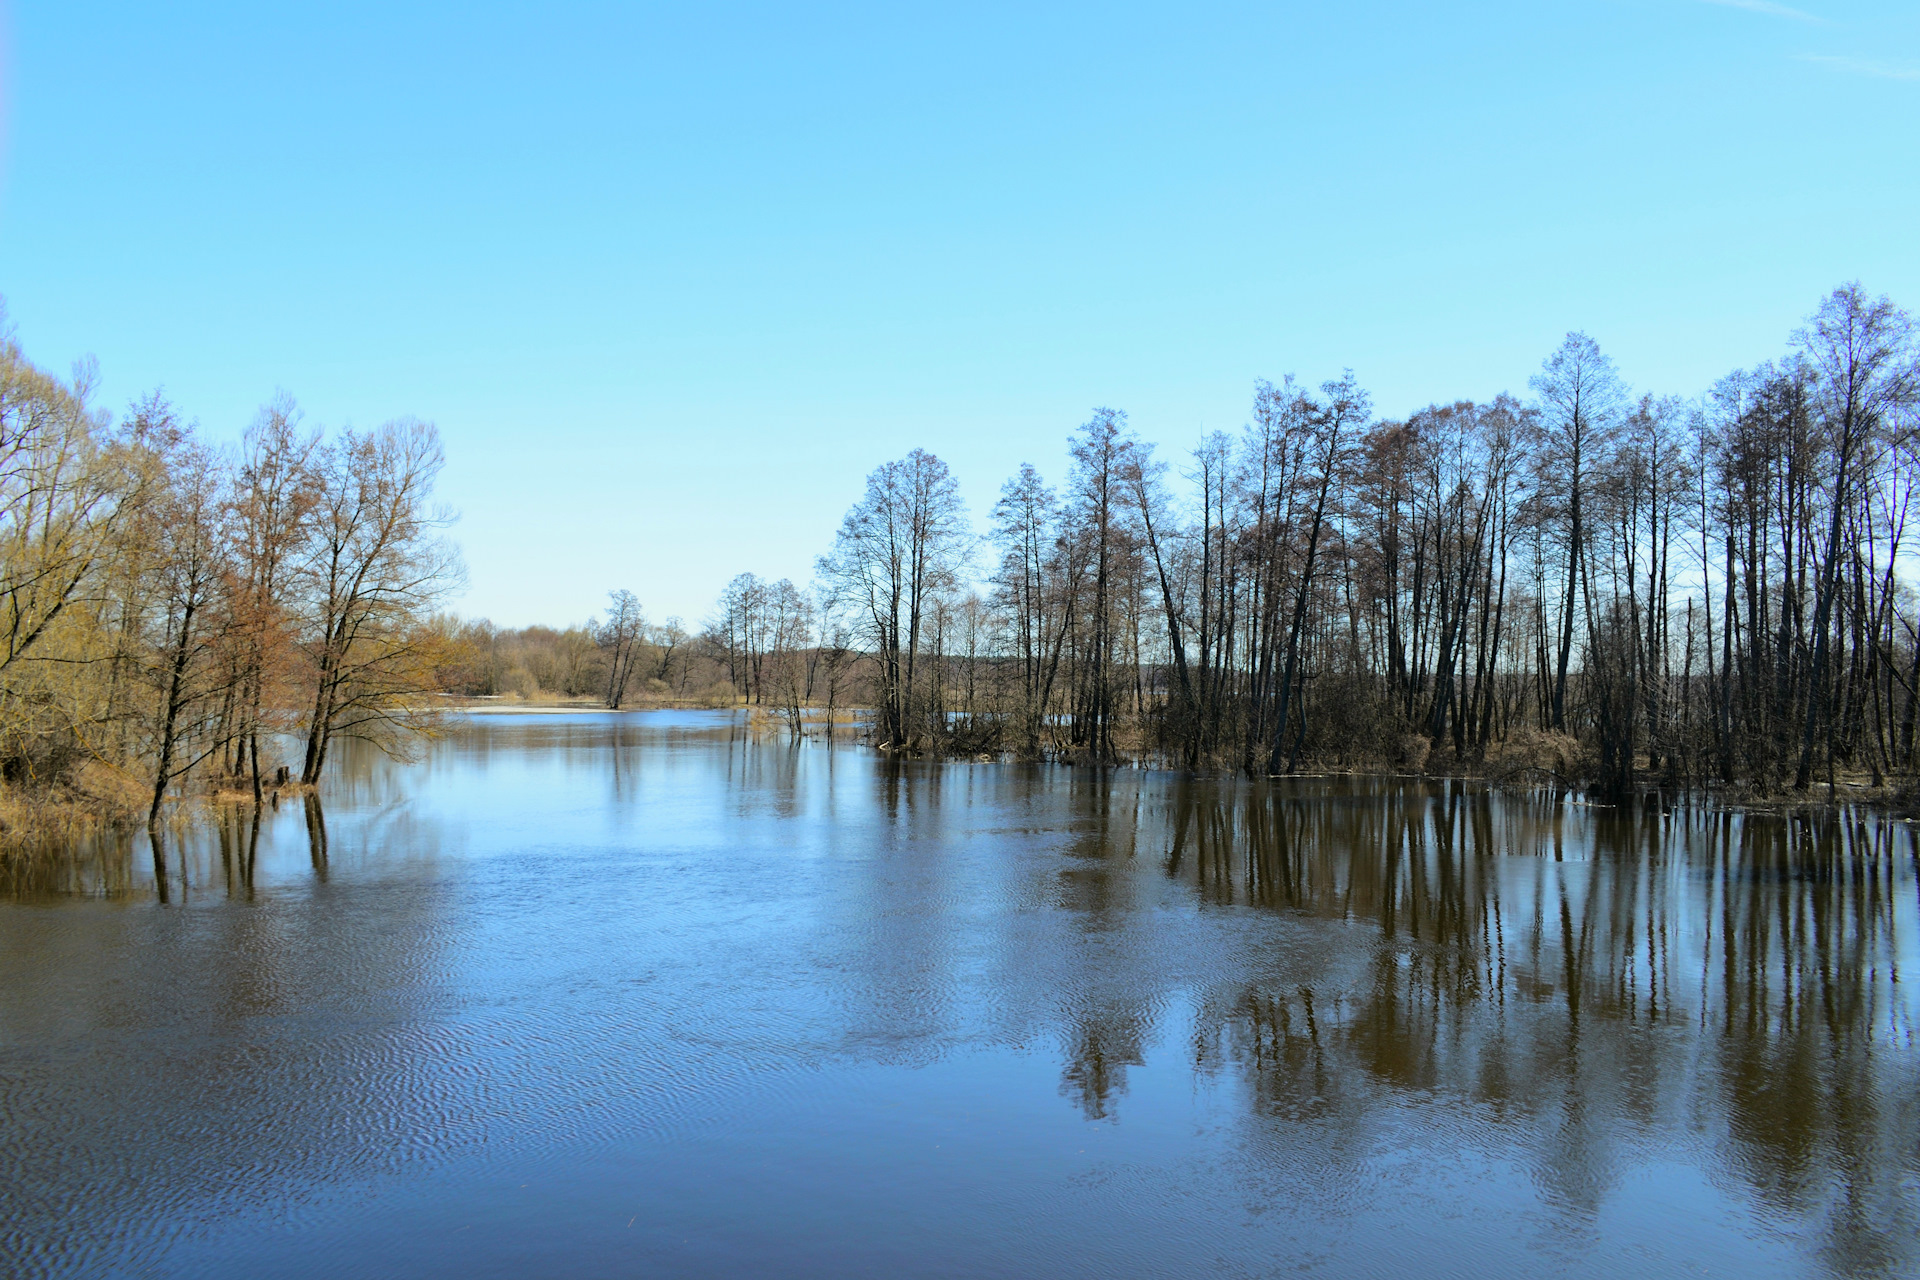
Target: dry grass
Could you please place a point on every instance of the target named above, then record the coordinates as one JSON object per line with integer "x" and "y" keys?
{"x": 813, "y": 722}
{"x": 1534, "y": 753}
{"x": 718, "y": 697}
{"x": 43, "y": 830}
{"x": 242, "y": 793}
{"x": 89, "y": 797}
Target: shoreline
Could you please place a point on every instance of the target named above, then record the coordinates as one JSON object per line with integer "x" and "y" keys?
{"x": 32, "y": 825}
{"x": 1851, "y": 793}
{"x": 501, "y": 707}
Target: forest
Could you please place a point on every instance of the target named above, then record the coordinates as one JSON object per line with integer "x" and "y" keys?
{"x": 1584, "y": 586}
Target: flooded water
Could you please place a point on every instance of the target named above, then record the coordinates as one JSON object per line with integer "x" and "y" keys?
{"x": 639, "y": 995}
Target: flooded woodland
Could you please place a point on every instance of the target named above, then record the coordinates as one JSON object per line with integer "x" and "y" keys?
{"x": 646, "y": 994}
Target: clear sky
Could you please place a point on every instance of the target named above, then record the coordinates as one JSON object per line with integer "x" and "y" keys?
{"x": 672, "y": 278}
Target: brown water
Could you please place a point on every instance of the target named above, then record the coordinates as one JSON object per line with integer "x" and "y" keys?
{"x": 637, "y": 995}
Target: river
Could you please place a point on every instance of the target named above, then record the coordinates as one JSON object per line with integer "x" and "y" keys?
{"x": 641, "y": 994}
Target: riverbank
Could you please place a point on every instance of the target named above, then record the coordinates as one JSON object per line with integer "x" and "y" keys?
{"x": 84, "y": 799}
{"x": 513, "y": 704}
{"x": 814, "y": 721}
{"x": 94, "y": 799}
{"x": 1527, "y": 762}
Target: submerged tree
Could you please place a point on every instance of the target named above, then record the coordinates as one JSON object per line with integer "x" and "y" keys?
{"x": 621, "y": 636}
{"x": 379, "y": 569}
{"x": 898, "y": 547}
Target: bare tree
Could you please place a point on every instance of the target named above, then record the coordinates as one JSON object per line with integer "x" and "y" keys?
{"x": 789, "y": 653}
{"x": 378, "y": 569}
{"x": 274, "y": 492}
{"x": 900, "y": 544}
{"x": 1864, "y": 352}
{"x": 1580, "y": 396}
{"x": 191, "y": 570}
{"x": 620, "y": 635}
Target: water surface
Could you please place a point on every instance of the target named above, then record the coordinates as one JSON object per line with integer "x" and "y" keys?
{"x": 639, "y": 995}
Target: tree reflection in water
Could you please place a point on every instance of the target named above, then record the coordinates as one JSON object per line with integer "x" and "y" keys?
{"x": 1582, "y": 975}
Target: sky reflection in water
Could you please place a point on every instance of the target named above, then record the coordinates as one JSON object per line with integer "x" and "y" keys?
{"x": 640, "y": 995}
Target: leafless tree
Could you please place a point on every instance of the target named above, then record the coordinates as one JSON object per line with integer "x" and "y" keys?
{"x": 899, "y": 546}
{"x": 620, "y": 635}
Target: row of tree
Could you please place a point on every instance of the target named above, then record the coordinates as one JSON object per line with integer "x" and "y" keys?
{"x": 618, "y": 661}
{"x": 766, "y": 645}
{"x": 1585, "y": 581}
{"x": 171, "y": 609}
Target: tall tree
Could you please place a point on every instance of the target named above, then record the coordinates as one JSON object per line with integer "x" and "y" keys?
{"x": 1863, "y": 350}
{"x": 1580, "y": 396}
{"x": 899, "y": 545}
{"x": 620, "y": 635}
{"x": 379, "y": 568}
{"x": 192, "y": 569}
{"x": 274, "y": 492}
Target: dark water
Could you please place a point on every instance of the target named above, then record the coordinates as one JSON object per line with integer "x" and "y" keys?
{"x": 639, "y": 996}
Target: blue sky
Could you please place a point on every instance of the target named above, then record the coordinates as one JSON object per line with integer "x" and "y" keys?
{"x": 672, "y": 278}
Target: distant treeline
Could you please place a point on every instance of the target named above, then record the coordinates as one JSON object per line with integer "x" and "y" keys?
{"x": 172, "y": 610}
{"x": 1586, "y": 582}
{"x": 620, "y": 662}
{"x": 763, "y": 648}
